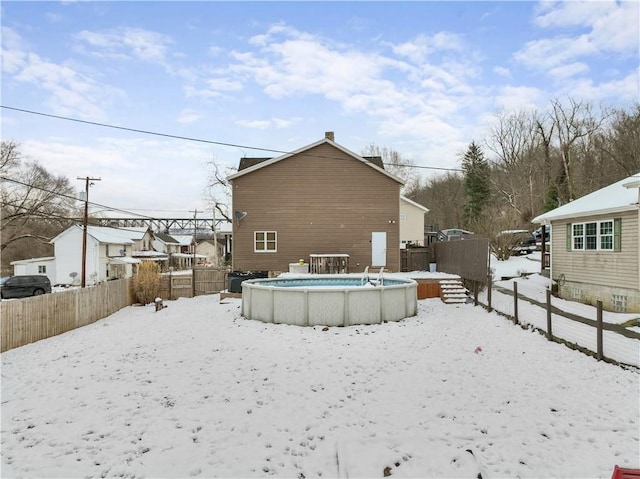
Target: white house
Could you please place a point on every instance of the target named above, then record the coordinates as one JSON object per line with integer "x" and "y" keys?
{"x": 411, "y": 222}
{"x": 108, "y": 254}
{"x": 45, "y": 266}
{"x": 595, "y": 253}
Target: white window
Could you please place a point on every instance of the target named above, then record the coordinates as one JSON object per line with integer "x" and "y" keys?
{"x": 42, "y": 269}
{"x": 596, "y": 235}
{"x": 403, "y": 217}
{"x": 265, "y": 242}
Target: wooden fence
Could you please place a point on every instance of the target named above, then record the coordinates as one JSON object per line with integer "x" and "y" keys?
{"x": 23, "y": 321}
{"x": 468, "y": 258}
{"x": 605, "y": 341}
{"x": 414, "y": 259}
{"x": 179, "y": 285}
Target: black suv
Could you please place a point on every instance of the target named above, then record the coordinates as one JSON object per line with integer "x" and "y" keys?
{"x": 24, "y": 286}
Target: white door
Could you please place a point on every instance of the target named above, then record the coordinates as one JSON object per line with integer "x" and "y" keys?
{"x": 379, "y": 248}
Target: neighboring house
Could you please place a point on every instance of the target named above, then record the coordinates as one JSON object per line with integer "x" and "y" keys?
{"x": 320, "y": 199}
{"x": 185, "y": 257}
{"x": 45, "y": 266}
{"x": 165, "y": 243}
{"x": 595, "y": 249}
{"x": 212, "y": 256}
{"x": 108, "y": 254}
{"x": 411, "y": 222}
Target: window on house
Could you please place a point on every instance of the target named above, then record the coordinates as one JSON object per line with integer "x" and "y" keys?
{"x": 42, "y": 269}
{"x": 265, "y": 241}
{"x": 594, "y": 236}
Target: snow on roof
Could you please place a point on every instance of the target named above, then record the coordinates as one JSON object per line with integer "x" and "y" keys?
{"x": 33, "y": 260}
{"x": 105, "y": 234}
{"x": 616, "y": 198}
{"x": 184, "y": 240}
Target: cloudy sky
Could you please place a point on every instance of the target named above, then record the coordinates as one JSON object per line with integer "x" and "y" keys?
{"x": 422, "y": 78}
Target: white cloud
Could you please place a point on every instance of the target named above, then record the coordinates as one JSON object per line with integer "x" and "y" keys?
{"x": 132, "y": 171}
{"x": 569, "y": 70}
{"x": 420, "y": 48}
{"x": 516, "y": 98}
{"x": 502, "y": 71}
{"x": 278, "y": 123}
{"x": 588, "y": 28}
{"x": 71, "y": 92}
{"x": 123, "y": 43}
{"x": 549, "y": 53}
{"x": 188, "y": 116}
{"x": 624, "y": 90}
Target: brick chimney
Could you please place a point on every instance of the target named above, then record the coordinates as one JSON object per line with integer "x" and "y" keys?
{"x": 329, "y": 135}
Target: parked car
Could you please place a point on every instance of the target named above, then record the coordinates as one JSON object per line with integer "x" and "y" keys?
{"x": 520, "y": 241}
{"x": 24, "y": 286}
{"x": 537, "y": 234}
{"x": 456, "y": 233}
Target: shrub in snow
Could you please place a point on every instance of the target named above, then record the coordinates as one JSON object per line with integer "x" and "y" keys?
{"x": 146, "y": 284}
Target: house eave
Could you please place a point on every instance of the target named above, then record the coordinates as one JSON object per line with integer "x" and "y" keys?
{"x": 547, "y": 219}
{"x": 266, "y": 163}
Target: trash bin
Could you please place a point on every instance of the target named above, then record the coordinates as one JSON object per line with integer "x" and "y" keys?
{"x": 235, "y": 279}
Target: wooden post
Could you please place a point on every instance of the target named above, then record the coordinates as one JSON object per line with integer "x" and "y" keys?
{"x": 599, "y": 354}
{"x": 549, "y": 332}
{"x": 515, "y": 302}
{"x": 489, "y": 286}
{"x": 476, "y": 287}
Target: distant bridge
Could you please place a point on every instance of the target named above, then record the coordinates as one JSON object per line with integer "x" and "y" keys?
{"x": 163, "y": 225}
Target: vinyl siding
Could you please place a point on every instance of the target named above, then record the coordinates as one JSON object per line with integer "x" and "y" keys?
{"x": 606, "y": 268}
{"x": 321, "y": 201}
{"x": 412, "y": 227}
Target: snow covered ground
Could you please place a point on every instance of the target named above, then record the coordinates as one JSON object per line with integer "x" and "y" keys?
{"x": 195, "y": 390}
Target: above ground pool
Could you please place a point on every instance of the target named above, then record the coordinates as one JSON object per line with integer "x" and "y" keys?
{"x": 329, "y": 300}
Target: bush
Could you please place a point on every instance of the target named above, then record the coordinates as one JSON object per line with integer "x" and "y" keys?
{"x": 146, "y": 284}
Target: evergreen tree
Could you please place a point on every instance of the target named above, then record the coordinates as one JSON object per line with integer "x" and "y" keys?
{"x": 476, "y": 183}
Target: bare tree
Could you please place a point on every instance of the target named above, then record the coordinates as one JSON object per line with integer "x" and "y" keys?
{"x": 518, "y": 164}
{"x": 573, "y": 122}
{"x": 35, "y": 206}
{"x": 218, "y": 190}
{"x": 395, "y": 164}
{"x": 621, "y": 143}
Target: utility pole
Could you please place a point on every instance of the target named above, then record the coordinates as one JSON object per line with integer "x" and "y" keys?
{"x": 216, "y": 261}
{"x": 193, "y": 260}
{"x": 88, "y": 182}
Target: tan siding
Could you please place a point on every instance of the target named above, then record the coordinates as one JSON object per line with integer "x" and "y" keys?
{"x": 321, "y": 201}
{"x": 608, "y": 268}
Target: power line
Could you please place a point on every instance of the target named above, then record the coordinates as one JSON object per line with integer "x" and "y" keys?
{"x": 198, "y": 140}
{"x": 63, "y": 195}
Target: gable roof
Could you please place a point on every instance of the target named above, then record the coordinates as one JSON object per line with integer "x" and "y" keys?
{"x": 106, "y": 234}
{"x": 165, "y": 238}
{"x": 615, "y": 198}
{"x": 250, "y": 166}
{"x": 413, "y": 203}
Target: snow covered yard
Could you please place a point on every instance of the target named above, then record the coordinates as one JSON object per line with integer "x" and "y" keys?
{"x": 194, "y": 390}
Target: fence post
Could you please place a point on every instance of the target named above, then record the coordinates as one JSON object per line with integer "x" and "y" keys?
{"x": 476, "y": 287}
{"x": 515, "y": 302}
{"x": 489, "y": 287}
{"x": 599, "y": 354}
{"x": 549, "y": 332}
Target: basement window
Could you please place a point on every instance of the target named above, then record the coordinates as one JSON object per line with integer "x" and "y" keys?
{"x": 619, "y": 303}
{"x": 265, "y": 242}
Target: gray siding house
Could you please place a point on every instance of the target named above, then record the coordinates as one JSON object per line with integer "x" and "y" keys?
{"x": 594, "y": 247}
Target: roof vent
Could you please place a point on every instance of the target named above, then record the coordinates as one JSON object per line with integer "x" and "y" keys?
{"x": 329, "y": 135}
